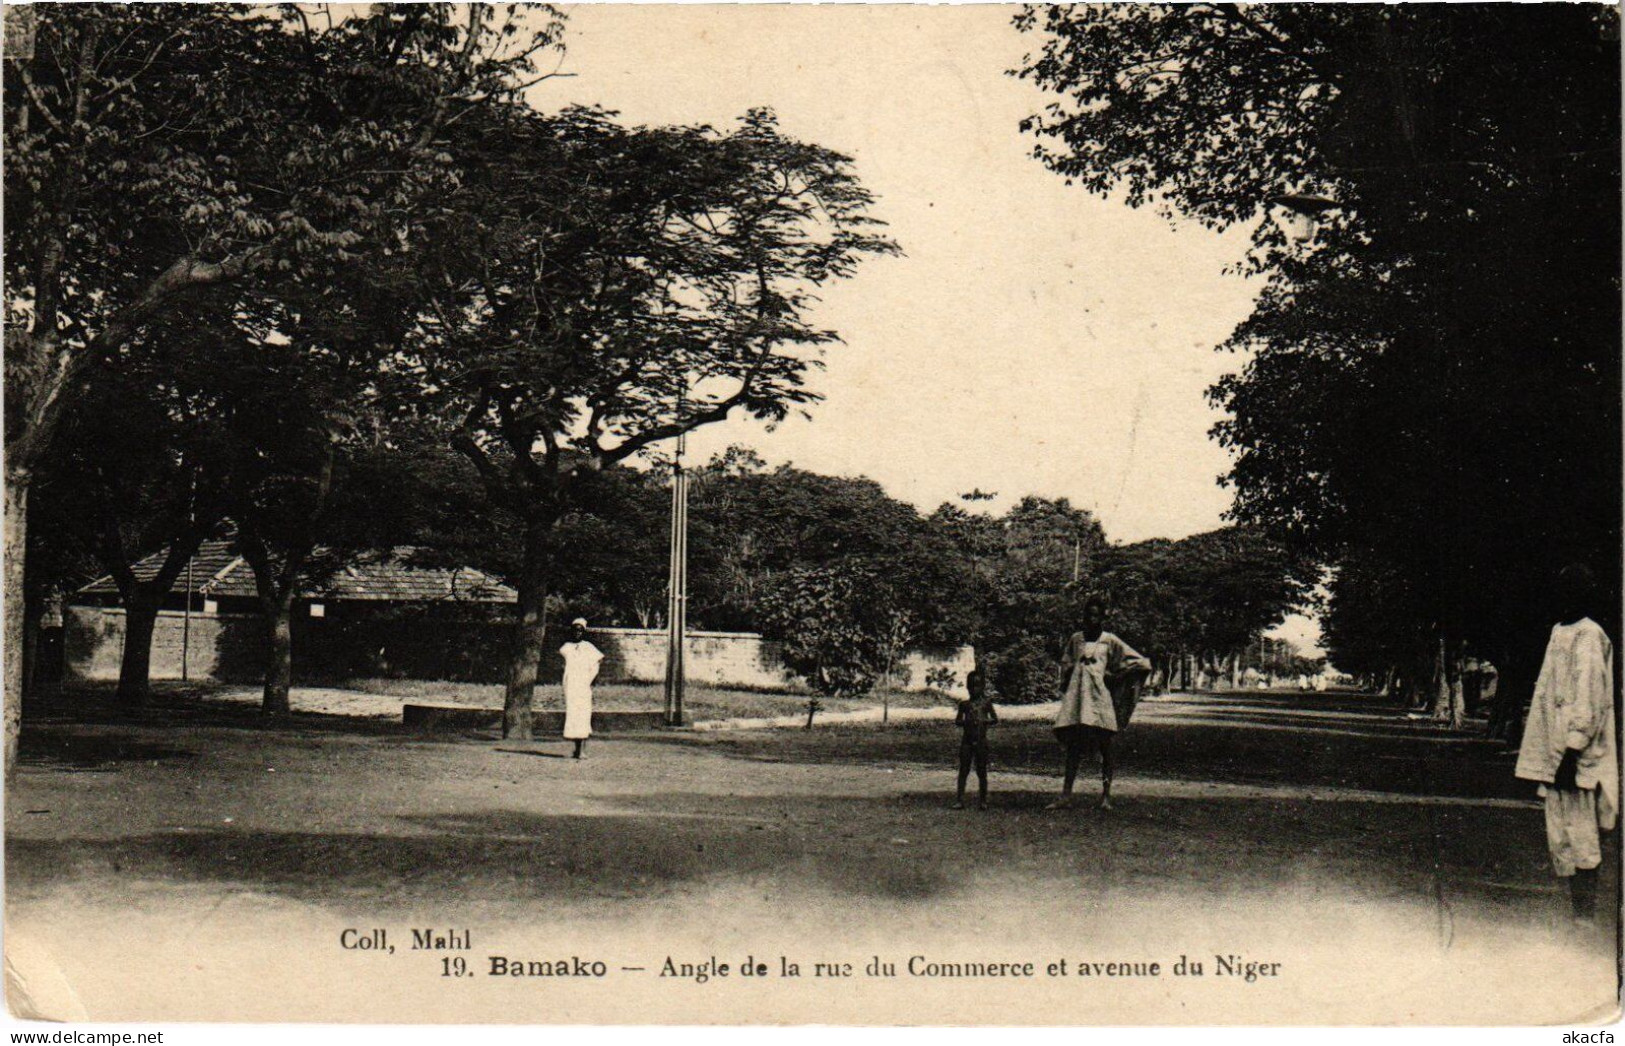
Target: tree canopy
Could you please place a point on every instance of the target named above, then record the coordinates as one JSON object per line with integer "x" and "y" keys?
{"x": 1396, "y": 406}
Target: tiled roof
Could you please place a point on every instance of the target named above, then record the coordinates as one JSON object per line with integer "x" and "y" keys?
{"x": 391, "y": 576}
{"x": 213, "y": 558}
{"x": 217, "y": 570}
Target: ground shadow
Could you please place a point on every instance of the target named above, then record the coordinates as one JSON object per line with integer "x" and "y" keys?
{"x": 1328, "y": 701}
{"x": 514, "y": 856}
{"x": 905, "y": 848}
{"x": 181, "y": 706}
{"x": 531, "y": 751}
{"x": 1228, "y": 749}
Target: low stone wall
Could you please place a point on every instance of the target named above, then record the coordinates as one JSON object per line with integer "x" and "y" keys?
{"x": 638, "y": 655}
{"x": 228, "y": 648}
{"x": 211, "y": 643}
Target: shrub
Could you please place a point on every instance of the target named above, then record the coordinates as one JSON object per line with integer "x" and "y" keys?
{"x": 831, "y": 622}
{"x": 1025, "y": 673}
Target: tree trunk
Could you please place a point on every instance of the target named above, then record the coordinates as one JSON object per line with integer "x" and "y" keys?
{"x": 143, "y": 599}
{"x": 135, "y": 664}
{"x": 885, "y": 687}
{"x": 1513, "y": 686}
{"x": 32, "y": 676}
{"x": 1439, "y": 686}
{"x": 278, "y": 654}
{"x": 16, "y": 544}
{"x": 529, "y": 635}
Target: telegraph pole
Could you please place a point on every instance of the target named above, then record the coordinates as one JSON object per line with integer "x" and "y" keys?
{"x": 677, "y": 590}
{"x": 186, "y": 612}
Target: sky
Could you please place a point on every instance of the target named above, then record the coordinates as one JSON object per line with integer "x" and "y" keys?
{"x": 1032, "y": 339}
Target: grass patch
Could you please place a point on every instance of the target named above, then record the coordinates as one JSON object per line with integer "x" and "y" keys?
{"x": 700, "y": 702}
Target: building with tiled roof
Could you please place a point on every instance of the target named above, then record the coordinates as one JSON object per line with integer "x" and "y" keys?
{"x": 382, "y": 614}
{"x": 219, "y": 575}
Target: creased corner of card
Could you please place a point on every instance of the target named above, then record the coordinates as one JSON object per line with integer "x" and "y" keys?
{"x": 37, "y": 988}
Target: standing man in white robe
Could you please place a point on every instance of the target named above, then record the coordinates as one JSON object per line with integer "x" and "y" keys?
{"x": 1100, "y": 676}
{"x": 581, "y": 660}
{"x": 1568, "y": 741}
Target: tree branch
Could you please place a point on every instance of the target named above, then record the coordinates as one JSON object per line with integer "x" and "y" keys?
{"x": 464, "y": 441}
{"x": 717, "y": 411}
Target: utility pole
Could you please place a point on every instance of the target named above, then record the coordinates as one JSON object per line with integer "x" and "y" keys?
{"x": 677, "y": 589}
{"x": 186, "y": 612}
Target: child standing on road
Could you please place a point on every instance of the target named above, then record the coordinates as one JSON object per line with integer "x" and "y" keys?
{"x": 975, "y": 715}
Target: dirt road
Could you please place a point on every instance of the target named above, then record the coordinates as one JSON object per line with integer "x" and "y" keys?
{"x": 209, "y": 865}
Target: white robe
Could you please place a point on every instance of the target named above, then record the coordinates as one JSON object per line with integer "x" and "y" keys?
{"x": 1573, "y": 707}
{"x": 580, "y": 669}
{"x": 1089, "y": 699}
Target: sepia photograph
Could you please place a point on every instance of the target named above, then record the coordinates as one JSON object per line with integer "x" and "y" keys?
{"x": 812, "y": 514}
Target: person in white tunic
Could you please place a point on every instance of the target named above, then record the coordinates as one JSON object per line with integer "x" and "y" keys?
{"x": 1100, "y": 676}
{"x": 1568, "y": 742}
{"x": 581, "y": 660}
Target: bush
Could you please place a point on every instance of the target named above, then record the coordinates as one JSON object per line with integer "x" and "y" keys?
{"x": 832, "y": 626}
{"x": 1025, "y": 673}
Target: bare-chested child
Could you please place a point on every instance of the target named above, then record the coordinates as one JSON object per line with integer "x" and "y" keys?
{"x": 975, "y": 715}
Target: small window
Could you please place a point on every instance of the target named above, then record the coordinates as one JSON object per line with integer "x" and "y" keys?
{"x": 211, "y": 606}
{"x": 318, "y": 610}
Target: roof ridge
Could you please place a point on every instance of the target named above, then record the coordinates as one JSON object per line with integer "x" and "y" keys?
{"x": 221, "y": 574}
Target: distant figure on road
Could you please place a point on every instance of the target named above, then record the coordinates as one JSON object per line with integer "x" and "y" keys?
{"x": 1568, "y": 741}
{"x": 975, "y": 715}
{"x": 1099, "y": 673}
{"x": 581, "y": 660}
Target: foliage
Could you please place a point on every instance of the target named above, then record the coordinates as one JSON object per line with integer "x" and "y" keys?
{"x": 1208, "y": 594}
{"x": 659, "y": 278}
{"x": 1022, "y": 565}
{"x": 156, "y": 150}
{"x": 1034, "y": 568}
{"x": 594, "y": 290}
{"x": 831, "y": 621}
{"x": 1026, "y": 671}
{"x": 215, "y": 170}
{"x": 141, "y": 462}
{"x": 750, "y": 525}
{"x": 1367, "y": 597}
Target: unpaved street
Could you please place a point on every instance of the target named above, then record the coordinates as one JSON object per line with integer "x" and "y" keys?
{"x": 207, "y": 865}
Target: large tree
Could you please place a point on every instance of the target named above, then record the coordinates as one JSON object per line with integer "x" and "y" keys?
{"x": 1025, "y": 572}
{"x": 154, "y": 151}
{"x": 141, "y": 466}
{"x": 754, "y": 525}
{"x": 597, "y": 290}
{"x": 1433, "y": 388}
{"x": 1202, "y": 601}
